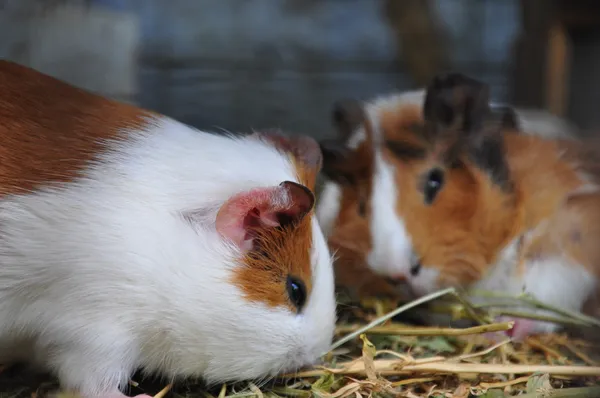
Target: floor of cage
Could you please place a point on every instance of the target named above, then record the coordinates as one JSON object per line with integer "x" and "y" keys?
{"x": 400, "y": 358}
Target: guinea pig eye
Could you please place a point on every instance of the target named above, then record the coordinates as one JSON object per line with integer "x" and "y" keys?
{"x": 415, "y": 267}
{"x": 433, "y": 183}
{"x": 414, "y": 270}
{"x": 296, "y": 292}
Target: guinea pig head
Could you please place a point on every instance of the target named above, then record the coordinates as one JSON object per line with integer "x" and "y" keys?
{"x": 365, "y": 191}
{"x": 283, "y": 265}
{"x": 456, "y": 200}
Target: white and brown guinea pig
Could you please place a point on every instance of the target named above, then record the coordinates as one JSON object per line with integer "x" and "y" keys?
{"x": 358, "y": 204}
{"x": 485, "y": 206}
{"x": 131, "y": 241}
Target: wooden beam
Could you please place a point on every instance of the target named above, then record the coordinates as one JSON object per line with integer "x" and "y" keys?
{"x": 558, "y": 69}
{"x": 579, "y": 13}
{"x": 421, "y": 43}
{"x": 531, "y": 53}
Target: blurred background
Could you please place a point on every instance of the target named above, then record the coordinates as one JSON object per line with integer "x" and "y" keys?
{"x": 241, "y": 64}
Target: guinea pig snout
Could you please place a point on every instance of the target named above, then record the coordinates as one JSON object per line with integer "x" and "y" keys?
{"x": 398, "y": 264}
{"x": 401, "y": 275}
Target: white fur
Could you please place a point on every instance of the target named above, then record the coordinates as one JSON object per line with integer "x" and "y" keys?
{"x": 391, "y": 252}
{"x": 500, "y": 276}
{"x": 105, "y": 275}
{"x": 328, "y": 206}
{"x": 545, "y": 124}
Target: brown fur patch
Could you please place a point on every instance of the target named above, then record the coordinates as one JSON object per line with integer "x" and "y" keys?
{"x": 282, "y": 252}
{"x": 404, "y": 124}
{"x": 573, "y": 229}
{"x": 355, "y": 201}
{"x": 51, "y": 130}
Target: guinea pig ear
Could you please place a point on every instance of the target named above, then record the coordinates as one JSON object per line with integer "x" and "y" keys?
{"x": 457, "y": 109}
{"x": 455, "y": 101}
{"x": 241, "y": 218}
{"x": 347, "y": 115}
{"x": 509, "y": 120}
{"x": 337, "y": 161}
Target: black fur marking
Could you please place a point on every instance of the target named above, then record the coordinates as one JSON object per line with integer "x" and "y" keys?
{"x": 347, "y": 116}
{"x": 508, "y": 117}
{"x": 405, "y": 151}
{"x": 336, "y": 162}
{"x": 487, "y": 152}
{"x": 455, "y": 98}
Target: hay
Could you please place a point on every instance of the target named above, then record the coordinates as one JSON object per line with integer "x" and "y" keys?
{"x": 384, "y": 358}
{"x": 375, "y": 355}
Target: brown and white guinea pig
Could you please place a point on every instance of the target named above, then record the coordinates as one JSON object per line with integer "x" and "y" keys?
{"x": 131, "y": 241}
{"x": 485, "y": 206}
{"x": 361, "y": 182}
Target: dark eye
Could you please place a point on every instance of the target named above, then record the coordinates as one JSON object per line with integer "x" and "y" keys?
{"x": 415, "y": 265}
{"x": 296, "y": 290}
{"x": 433, "y": 184}
{"x": 414, "y": 270}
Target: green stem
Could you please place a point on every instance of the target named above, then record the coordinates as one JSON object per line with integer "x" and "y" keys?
{"x": 493, "y": 304}
{"x": 527, "y": 299}
{"x": 572, "y": 314}
{"x": 390, "y": 315}
{"x": 469, "y": 309}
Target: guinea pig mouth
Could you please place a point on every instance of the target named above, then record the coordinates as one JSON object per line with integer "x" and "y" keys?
{"x": 405, "y": 289}
{"x": 401, "y": 286}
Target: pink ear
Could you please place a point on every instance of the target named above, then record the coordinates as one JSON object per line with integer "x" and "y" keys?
{"x": 240, "y": 217}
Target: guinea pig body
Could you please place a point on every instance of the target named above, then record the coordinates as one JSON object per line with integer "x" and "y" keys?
{"x": 362, "y": 188}
{"x": 488, "y": 207}
{"x": 131, "y": 241}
